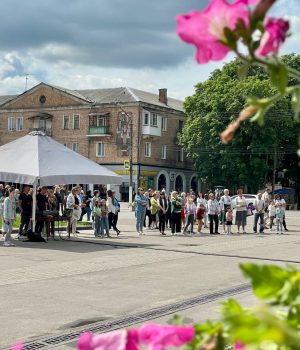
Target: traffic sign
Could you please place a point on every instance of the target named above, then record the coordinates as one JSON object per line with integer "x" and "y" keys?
{"x": 126, "y": 164}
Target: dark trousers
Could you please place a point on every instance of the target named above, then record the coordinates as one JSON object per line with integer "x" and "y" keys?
{"x": 259, "y": 216}
{"x": 25, "y": 219}
{"x": 39, "y": 226}
{"x": 213, "y": 218}
{"x": 162, "y": 222}
{"x": 284, "y": 223}
{"x": 190, "y": 222}
{"x": 175, "y": 222}
{"x": 112, "y": 222}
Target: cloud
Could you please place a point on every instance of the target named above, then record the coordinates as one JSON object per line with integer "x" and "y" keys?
{"x": 132, "y": 33}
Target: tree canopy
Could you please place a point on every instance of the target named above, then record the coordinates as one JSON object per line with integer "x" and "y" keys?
{"x": 248, "y": 159}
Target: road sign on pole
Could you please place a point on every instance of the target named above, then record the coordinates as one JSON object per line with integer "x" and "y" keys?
{"x": 126, "y": 164}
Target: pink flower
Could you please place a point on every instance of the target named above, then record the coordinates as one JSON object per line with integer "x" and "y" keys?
{"x": 158, "y": 337}
{"x": 275, "y": 33}
{"x": 17, "y": 346}
{"x": 115, "y": 340}
{"x": 205, "y": 29}
{"x": 239, "y": 346}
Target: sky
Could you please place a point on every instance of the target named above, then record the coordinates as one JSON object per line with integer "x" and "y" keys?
{"x": 86, "y": 44}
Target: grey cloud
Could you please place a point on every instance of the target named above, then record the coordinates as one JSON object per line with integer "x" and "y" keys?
{"x": 108, "y": 33}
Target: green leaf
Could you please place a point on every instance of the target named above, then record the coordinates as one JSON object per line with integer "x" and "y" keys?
{"x": 296, "y": 103}
{"x": 230, "y": 38}
{"x": 279, "y": 76}
{"x": 267, "y": 280}
{"x": 259, "y": 117}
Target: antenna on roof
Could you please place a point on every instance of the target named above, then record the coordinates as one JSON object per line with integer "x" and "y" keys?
{"x": 26, "y": 81}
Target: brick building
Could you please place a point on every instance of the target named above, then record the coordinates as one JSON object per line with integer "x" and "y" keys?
{"x": 109, "y": 126}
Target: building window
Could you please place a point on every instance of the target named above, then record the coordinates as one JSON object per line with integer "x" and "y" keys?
{"x": 147, "y": 149}
{"x": 164, "y": 124}
{"x": 164, "y": 152}
{"x": 153, "y": 120}
{"x": 75, "y": 147}
{"x": 180, "y": 125}
{"x": 11, "y": 124}
{"x": 66, "y": 122}
{"x": 101, "y": 121}
{"x": 19, "y": 123}
{"x": 100, "y": 149}
{"x": 76, "y": 121}
{"x": 180, "y": 155}
{"x": 146, "y": 119}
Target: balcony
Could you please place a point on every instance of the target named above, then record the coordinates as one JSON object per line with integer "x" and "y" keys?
{"x": 99, "y": 131}
{"x": 46, "y": 131}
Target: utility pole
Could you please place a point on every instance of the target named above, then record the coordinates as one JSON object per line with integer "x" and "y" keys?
{"x": 274, "y": 170}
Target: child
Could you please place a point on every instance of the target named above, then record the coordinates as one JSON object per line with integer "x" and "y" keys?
{"x": 229, "y": 219}
{"x": 272, "y": 213}
{"x": 279, "y": 217}
{"x": 190, "y": 210}
{"x": 104, "y": 218}
{"x": 97, "y": 213}
{"x": 200, "y": 216}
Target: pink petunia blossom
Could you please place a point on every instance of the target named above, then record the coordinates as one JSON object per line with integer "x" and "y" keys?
{"x": 275, "y": 34}
{"x": 205, "y": 28}
{"x": 17, "y": 346}
{"x": 159, "y": 337}
{"x": 115, "y": 340}
{"x": 239, "y": 346}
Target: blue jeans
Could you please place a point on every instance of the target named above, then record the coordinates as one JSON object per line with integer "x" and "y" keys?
{"x": 140, "y": 217}
{"x": 97, "y": 225}
{"x": 259, "y": 216}
{"x": 104, "y": 226}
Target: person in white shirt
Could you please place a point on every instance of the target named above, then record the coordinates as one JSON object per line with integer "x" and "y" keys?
{"x": 272, "y": 213}
{"x": 241, "y": 211}
{"x": 201, "y": 200}
{"x": 225, "y": 203}
{"x": 259, "y": 206}
{"x": 214, "y": 210}
{"x": 279, "y": 199}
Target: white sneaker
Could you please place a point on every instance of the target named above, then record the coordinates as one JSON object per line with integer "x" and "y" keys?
{"x": 8, "y": 244}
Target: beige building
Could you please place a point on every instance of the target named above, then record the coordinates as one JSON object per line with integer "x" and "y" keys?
{"x": 109, "y": 126}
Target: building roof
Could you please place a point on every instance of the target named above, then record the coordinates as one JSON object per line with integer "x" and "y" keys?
{"x": 127, "y": 94}
{"x": 6, "y": 98}
{"x": 112, "y": 95}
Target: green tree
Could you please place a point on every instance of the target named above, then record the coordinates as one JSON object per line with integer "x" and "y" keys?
{"x": 248, "y": 159}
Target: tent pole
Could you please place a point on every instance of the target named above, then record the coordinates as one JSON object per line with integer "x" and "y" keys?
{"x": 33, "y": 207}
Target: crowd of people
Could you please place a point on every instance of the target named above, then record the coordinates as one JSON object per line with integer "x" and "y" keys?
{"x": 154, "y": 210}
{"x": 181, "y": 212}
{"x": 57, "y": 201}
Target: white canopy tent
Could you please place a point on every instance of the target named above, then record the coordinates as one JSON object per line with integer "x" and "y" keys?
{"x": 39, "y": 160}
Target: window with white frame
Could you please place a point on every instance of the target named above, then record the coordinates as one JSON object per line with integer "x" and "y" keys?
{"x": 147, "y": 149}
{"x": 66, "y": 122}
{"x": 153, "y": 119}
{"x": 100, "y": 149}
{"x": 180, "y": 155}
{"x": 164, "y": 152}
{"x": 19, "y": 123}
{"x": 164, "y": 124}
{"x": 146, "y": 119}
{"x": 11, "y": 123}
{"x": 75, "y": 147}
{"x": 76, "y": 121}
{"x": 101, "y": 121}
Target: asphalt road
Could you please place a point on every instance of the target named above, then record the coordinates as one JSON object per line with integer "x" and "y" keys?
{"x": 51, "y": 291}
